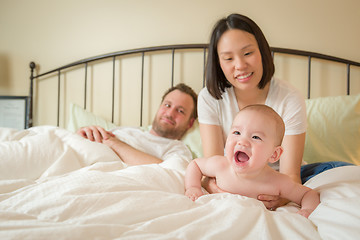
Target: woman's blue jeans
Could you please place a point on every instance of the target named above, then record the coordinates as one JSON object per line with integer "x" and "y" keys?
{"x": 310, "y": 170}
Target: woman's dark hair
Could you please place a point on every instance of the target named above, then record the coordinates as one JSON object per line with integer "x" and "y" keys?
{"x": 216, "y": 81}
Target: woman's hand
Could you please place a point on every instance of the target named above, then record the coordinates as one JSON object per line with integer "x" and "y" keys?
{"x": 272, "y": 202}
{"x": 210, "y": 185}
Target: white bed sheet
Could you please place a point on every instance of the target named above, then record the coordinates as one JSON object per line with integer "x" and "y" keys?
{"x": 56, "y": 185}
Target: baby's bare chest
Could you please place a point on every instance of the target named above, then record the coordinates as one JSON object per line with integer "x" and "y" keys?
{"x": 246, "y": 187}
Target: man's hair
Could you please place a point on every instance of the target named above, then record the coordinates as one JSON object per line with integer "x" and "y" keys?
{"x": 185, "y": 89}
{"x": 279, "y": 123}
{"x": 216, "y": 81}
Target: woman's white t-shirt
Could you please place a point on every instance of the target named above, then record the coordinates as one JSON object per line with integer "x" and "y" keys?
{"x": 286, "y": 100}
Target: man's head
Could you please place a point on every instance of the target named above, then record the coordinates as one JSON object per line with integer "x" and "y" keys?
{"x": 177, "y": 112}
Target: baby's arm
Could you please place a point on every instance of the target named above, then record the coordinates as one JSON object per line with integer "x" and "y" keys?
{"x": 193, "y": 177}
{"x": 194, "y": 173}
{"x": 306, "y": 197}
{"x": 309, "y": 201}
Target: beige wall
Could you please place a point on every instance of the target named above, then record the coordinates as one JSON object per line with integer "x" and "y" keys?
{"x": 56, "y": 32}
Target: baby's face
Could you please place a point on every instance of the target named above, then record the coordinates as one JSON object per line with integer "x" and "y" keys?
{"x": 251, "y": 141}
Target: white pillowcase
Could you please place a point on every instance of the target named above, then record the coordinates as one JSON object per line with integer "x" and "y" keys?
{"x": 333, "y": 132}
{"x": 81, "y": 118}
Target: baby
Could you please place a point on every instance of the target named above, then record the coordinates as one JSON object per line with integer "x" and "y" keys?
{"x": 255, "y": 139}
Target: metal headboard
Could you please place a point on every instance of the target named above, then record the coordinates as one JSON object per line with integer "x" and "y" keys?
{"x": 172, "y": 48}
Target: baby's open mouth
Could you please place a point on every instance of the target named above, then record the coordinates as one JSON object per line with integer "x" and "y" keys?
{"x": 241, "y": 157}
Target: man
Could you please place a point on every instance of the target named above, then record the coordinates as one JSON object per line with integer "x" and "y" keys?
{"x": 176, "y": 114}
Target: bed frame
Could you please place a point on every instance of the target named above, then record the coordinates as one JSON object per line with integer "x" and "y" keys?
{"x": 173, "y": 48}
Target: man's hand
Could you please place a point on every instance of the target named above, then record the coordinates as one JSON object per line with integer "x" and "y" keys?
{"x": 127, "y": 153}
{"x": 112, "y": 142}
{"x": 95, "y": 133}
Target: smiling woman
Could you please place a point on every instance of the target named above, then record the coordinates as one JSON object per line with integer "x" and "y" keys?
{"x": 240, "y": 73}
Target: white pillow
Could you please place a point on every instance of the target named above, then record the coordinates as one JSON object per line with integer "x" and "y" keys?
{"x": 80, "y": 118}
{"x": 333, "y": 132}
{"x": 192, "y": 139}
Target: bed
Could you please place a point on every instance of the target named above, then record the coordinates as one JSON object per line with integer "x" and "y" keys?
{"x": 57, "y": 185}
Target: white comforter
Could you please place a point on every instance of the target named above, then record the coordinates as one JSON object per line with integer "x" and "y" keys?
{"x": 56, "y": 185}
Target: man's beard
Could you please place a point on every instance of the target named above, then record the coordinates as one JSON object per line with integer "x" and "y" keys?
{"x": 167, "y": 132}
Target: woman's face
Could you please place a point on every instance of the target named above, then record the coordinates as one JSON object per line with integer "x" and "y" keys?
{"x": 240, "y": 59}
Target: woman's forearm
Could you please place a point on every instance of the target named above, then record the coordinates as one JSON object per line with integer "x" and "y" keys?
{"x": 291, "y": 159}
{"x": 212, "y": 140}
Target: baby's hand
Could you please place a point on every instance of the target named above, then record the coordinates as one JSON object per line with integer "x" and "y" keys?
{"x": 193, "y": 193}
{"x": 305, "y": 212}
